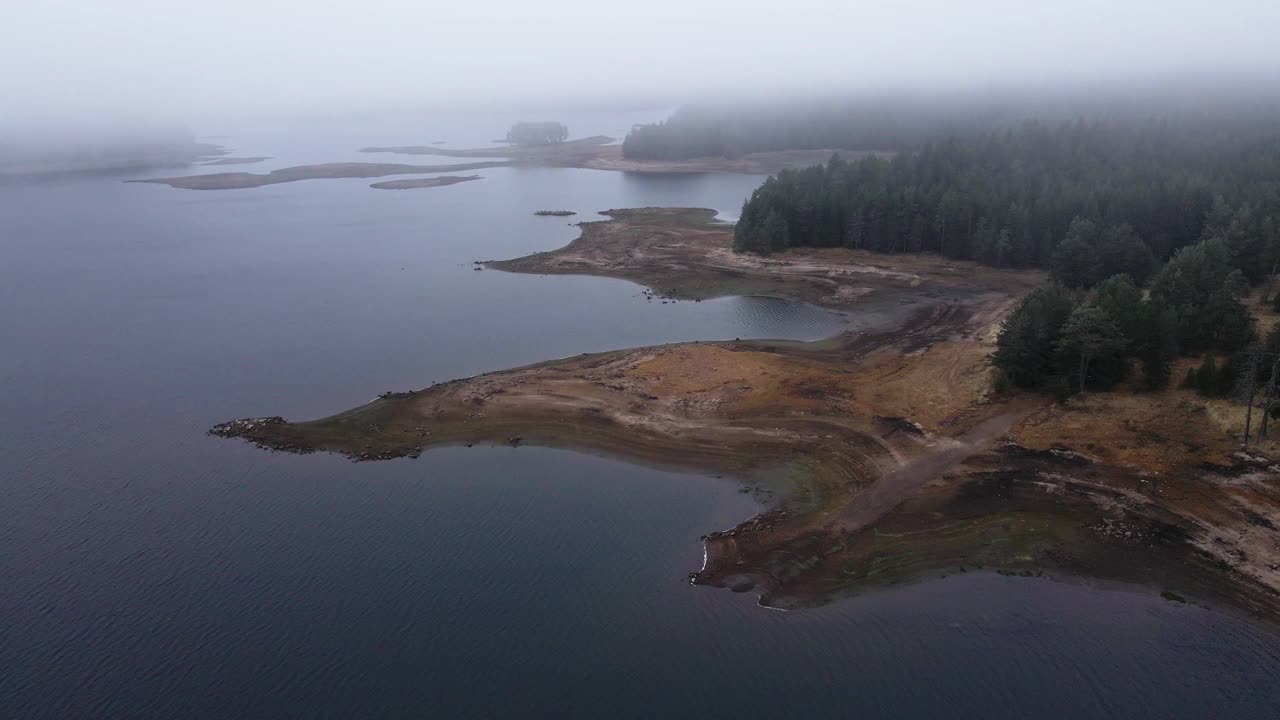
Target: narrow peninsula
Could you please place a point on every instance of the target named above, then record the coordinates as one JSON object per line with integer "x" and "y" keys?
{"x": 886, "y": 452}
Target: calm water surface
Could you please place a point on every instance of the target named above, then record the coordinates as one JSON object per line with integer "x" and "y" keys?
{"x": 150, "y": 571}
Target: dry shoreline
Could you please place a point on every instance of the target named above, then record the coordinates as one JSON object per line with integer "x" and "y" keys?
{"x": 888, "y": 454}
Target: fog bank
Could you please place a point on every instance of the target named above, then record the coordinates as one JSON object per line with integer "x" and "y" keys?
{"x": 259, "y": 56}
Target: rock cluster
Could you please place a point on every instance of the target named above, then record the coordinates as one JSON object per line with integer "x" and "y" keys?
{"x": 244, "y": 426}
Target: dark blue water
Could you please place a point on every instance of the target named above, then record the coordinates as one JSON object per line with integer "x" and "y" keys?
{"x": 150, "y": 571}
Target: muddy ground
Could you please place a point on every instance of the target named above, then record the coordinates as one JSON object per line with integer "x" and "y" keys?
{"x": 884, "y": 453}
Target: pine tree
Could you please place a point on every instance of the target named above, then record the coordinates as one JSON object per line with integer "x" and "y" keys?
{"x": 775, "y": 233}
{"x": 1203, "y": 288}
{"x": 1120, "y": 298}
{"x": 1025, "y": 346}
{"x": 1156, "y": 343}
{"x": 1089, "y": 335}
{"x": 1121, "y": 251}
{"x": 1075, "y": 262}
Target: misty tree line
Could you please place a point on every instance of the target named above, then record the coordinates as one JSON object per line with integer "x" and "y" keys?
{"x": 902, "y": 121}
{"x": 537, "y": 133}
{"x": 1085, "y": 200}
{"x": 886, "y": 124}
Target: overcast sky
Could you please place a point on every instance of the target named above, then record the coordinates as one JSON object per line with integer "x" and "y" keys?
{"x": 258, "y": 55}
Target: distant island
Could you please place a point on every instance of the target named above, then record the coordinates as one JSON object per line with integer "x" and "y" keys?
{"x": 537, "y": 133}
{"x": 62, "y": 147}
{"x": 556, "y": 213}
{"x": 430, "y": 182}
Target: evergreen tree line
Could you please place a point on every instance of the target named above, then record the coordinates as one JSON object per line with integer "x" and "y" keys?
{"x": 702, "y": 132}
{"x": 881, "y": 124}
{"x": 1086, "y": 200}
{"x": 1069, "y": 340}
{"x": 897, "y": 121}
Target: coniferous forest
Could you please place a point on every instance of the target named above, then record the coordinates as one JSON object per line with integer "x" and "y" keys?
{"x": 1152, "y": 232}
{"x": 872, "y": 123}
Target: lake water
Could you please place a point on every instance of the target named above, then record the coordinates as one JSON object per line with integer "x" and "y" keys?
{"x": 151, "y": 571}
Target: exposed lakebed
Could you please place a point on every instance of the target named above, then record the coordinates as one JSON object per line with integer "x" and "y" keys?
{"x": 158, "y": 572}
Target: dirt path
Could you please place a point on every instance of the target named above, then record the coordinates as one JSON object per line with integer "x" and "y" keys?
{"x": 891, "y": 490}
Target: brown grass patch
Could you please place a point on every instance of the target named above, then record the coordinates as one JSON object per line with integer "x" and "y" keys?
{"x": 1156, "y": 432}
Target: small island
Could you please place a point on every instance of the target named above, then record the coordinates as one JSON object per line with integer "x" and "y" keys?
{"x": 431, "y": 182}
{"x": 555, "y": 213}
{"x": 537, "y": 133}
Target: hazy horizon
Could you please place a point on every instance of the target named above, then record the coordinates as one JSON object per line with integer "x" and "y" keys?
{"x": 246, "y": 58}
